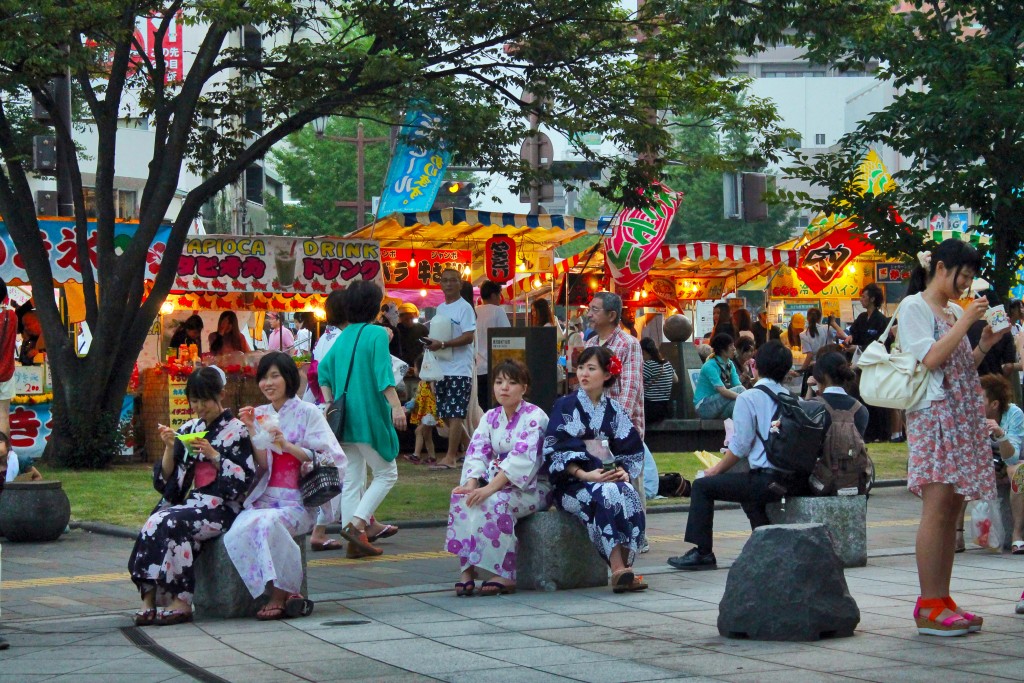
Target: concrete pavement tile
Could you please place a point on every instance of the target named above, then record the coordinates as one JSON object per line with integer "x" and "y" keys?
{"x": 24, "y": 678}
{"x": 612, "y": 672}
{"x": 588, "y": 606}
{"x": 628, "y": 619}
{"x": 149, "y": 665}
{"x": 681, "y": 632}
{"x": 286, "y": 655}
{"x": 713, "y": 664}
{"x": 791, "y": 676}
{"x": 110, "y": 678}
{"x": 491, "y": 606}
{"x": 532, "y": 623}
{"x": 352, "y": 667}
{"x": 424, "y": 656}
{"x": 921, "y": 674}
{"x": 503, "y": 675}
{"x": 224, "y": 656}
{"x": 550, "y": 656}
{"x": 743, "y": 647}
{"x": 251, "y": 673}
{"x": 492, "y": 642}
{"x": 420, "y": 616}
{"x": 180, "y": 644}
{"x": 574, "y": 636}
{"x": 362, "y": 633}
{"x": 54, "y": 665}
{"x": 1005, "y": 669}
{"x": 951, "y": 654}
{"x": 638, "y": 648}
{"x": 871, "y": 643}
{"x": 829, "y": 661}
{"x": 85, "y": 652}
{"x": 226, "y": 627}
{"x": 442, "y": 629}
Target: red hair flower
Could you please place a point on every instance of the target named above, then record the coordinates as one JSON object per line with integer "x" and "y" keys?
{"x": 615, "y": 366}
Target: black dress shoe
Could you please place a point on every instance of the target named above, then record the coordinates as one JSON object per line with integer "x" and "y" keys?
{"x": 694, "y": 561}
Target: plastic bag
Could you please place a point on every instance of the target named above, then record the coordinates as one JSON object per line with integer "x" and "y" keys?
{"x": 430, "y": 370}
{"x": 986, "y": 526}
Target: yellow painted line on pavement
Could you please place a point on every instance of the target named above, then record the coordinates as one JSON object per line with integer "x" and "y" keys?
{"x": 346, "y": 562}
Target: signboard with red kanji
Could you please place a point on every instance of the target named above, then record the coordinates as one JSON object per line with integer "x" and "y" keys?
{"x": 421, "y": 268}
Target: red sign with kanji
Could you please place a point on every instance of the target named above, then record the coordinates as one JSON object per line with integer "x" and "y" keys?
{"x": 421, "y": 268}
{"x": 500, "y": 258}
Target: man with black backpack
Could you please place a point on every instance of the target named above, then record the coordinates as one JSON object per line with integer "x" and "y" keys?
{"x": 768, "y": 423}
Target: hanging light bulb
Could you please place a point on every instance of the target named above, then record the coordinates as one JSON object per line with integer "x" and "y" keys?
{"x": 521, "y": 267}
{"x": 412, "y": 260}
{"x": 537, "y": 282}
{"x": 468, "y": 270}
{"x": 423, "y": 293}
{"x": 166, "y": 308}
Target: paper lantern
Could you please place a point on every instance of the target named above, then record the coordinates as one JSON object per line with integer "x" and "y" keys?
{"x": 499, "y": 258}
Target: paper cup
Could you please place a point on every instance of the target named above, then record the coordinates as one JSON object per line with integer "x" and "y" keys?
{"x": 997, "y": 318}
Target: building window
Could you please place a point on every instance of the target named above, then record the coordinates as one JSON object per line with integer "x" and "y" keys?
{"x": 819, "y": 139}
{"x": 126, "y": 204}
{"x": 254, "y": 184}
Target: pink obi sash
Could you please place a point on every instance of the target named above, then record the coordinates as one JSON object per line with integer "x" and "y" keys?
{"x": 205, "y": 475}
{"x": 284, "y": 473}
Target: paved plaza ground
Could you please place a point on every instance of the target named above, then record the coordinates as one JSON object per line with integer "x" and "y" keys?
{"x": 67, "y": 608}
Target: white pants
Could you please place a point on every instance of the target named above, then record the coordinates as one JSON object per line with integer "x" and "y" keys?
{"x": 358, "y": 500}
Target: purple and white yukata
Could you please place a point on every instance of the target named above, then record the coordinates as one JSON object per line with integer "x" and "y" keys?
{"x": 261, "y": 541}
{"x": 166, "y": 548}
{"x": 484, "y": 535}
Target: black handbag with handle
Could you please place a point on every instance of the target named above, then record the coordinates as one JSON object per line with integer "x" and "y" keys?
{"x": 336, "y": 411}
{"x": 320, "y": 485}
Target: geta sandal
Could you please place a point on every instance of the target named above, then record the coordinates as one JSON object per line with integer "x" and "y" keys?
{"x": 297, "y": 606}
{"x": 329, "y": 544}
{"x": 490, "y": 588}
{"x": 622, "y": 580}
{"x": 955, "y": 625}
{"x": 145, "y": 617}
{"x": 464, "y": 589}
{"x": 638, "y": 585}
{"x": 170, "y": 617}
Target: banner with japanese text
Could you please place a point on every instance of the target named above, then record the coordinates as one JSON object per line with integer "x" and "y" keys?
{"x": 399, "y": 273}
{"x": 262, "y": 263}
{"x": 637, "y": 236}
{"x": 825, "y": 258}
{"x": 415, "y": 174}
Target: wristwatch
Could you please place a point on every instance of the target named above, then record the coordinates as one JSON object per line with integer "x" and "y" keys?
{"x": 442, "y": 345}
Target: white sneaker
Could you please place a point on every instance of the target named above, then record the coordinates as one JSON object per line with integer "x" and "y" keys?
{"x": 1020, "y": 604}
{"x": 645, "y": 547}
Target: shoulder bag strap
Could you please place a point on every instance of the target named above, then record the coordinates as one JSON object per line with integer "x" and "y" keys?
{"x": 352, "y": 361}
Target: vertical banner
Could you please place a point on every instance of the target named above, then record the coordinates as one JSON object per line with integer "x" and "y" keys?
{"x": 637, "y": 236}
{"x": 499, "y": 258}
{"x": 415, "y": 173}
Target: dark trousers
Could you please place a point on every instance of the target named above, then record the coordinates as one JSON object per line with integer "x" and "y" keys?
{"x": 483, "y": 392}
{"x": 749, "y": 489}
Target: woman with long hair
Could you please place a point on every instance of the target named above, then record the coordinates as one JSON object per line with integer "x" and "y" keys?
{"x": 950, "y": 459}
{"x": 814, "y": 336}
{"x": 227, "y": 338}
{"x": 743, "y": 323}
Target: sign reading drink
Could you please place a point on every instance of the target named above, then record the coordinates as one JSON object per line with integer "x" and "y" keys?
{"x": 227, "y": 263}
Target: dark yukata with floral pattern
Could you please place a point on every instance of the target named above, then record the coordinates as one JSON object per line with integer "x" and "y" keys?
{"x": 167, "y": 545}
{"x": 612, "y": 511}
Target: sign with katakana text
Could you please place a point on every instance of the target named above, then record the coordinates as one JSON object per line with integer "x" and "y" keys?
{"x": 421, "y": 268}
{"x": 500, "y": 258}
{"x": 825, "y": 258}
{"x": 415, "y": 173}
{"x": 892, "y": 273}
{"x": 637, "y": 235}
{"x": 178, "y": 410}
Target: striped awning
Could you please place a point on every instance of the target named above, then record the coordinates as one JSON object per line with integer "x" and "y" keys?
{"x": 708, "y": 251}
{"x": 499, "y": 220}
{"x": 972, "y": 237}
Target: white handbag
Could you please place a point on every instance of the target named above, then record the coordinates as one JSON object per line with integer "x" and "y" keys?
{"x": 891, "y": 379}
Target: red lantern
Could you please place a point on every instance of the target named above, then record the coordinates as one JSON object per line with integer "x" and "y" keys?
{"x": 500, "y": 258}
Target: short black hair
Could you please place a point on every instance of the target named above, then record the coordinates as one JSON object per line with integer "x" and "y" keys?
{"x": 363, "y": 301}
{"x": 720, "y": 342}
{"x": 193, "y": 322}
{"x": 774, "y": 360}
{"x": 603, "y": 357}
{"x": 744, "y": 344}
{"x": 204, "y": 384}
{"x": 285, "y": 364}
{"x": 335, "y": 307}
{"x": 876, "y": 295}
{"x": 513, "y": 369}
{"x": 489, "y": 289}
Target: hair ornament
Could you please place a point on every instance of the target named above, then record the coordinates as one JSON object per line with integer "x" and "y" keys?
{"x": 615, "y": 366}
{"x": 925, "y": 259}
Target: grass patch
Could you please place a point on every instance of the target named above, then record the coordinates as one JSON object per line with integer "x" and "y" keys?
{"x": 124, "y": 494}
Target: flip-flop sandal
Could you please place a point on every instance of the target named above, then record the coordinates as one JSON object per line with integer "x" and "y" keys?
{"x": 388, "y": 531}
{"x": 622, "y": 580}
{"x": 1018, "y": 548}
{"x": 440, "y": 467}
{"x": 414, "y": 459}
{"x": 270, "y": 613}
{"x": 490, "y": 588}
{"x": 145, "y": 617}
{"x": 329, "y": 544}
{"x": 298, "y": 606}
{"x": 170, "y": 617}
{"x": 464, "y": 589}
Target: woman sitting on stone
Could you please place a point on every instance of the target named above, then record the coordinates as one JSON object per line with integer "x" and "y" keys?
{"x": 718, "y": 383}
{"x": 218, "y": 469}
{"x": 287, "y": 434}
{"x": 499, "y": 485}
{"x": 592, "y": 451}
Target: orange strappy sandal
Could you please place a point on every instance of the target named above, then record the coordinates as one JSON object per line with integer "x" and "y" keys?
{"x": 928, "y": 626}
{"x": 974, "y": 620}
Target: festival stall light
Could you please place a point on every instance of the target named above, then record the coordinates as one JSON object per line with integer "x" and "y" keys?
{"x": 320, "y": 314}
{"x": 537, "y": 283}
{"x": 166, "y": 308}
{"x": 412, "y": 259}
{"x": 423, "y": 293}
{"x": 468, "y": 271}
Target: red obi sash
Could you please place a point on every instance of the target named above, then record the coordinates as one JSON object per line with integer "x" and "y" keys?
{"x": 284, "y": 473}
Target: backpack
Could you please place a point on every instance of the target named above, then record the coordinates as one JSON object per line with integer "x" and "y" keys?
{"x": 845, "y": 467}
{"x": 797, "y": 433}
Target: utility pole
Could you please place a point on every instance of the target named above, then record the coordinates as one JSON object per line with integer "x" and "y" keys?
{"x": 360, "y": 141}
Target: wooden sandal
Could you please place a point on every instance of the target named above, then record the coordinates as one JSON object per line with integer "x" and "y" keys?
{"x": 145, "y": 617}
{"x": 464, "y": 589}
{"x": 270, "y": 613}
{"x": 622, "y": 580}
{"x": 955, "y": 625}
{"x": 490, "y": 588}
{"x": 637, "y": 585}
{"x": 974, "y": 620}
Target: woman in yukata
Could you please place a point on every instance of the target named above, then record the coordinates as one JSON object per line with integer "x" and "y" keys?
{"x": 218, "y": 466}
{"x": 499, "y": 485}
{"x": 592, "y": 451}
{"x": 287, "y": 434}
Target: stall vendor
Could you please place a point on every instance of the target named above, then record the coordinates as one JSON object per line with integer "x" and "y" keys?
{"x": 33, "y": 347}
{"x": 188, "y": 333}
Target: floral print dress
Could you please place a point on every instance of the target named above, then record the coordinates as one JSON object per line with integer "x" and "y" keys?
{"x": 424, "y": 409}
{"x": 484, "y": 535}
{"x": 948, "y": 441}
{"x": 261, "y": 542}
{"x": 166, "y": 548}
{"x": 612, "y": 510}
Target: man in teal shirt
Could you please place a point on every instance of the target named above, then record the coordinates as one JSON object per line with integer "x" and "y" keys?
{"x": 719, "y": 383}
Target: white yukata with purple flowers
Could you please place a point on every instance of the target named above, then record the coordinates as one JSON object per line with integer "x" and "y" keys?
{"x": 484, "y": 535}
{"x": 261, "y": 542}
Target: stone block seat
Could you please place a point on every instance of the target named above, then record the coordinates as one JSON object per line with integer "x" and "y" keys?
{"x": 555, "y": 553}
{"x": 845, "y": 518}
{"x": 220, "y": 591}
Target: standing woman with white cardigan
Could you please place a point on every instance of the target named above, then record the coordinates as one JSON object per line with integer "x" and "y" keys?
{"x": 950, "y": 460}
